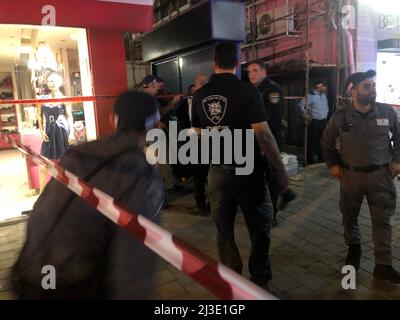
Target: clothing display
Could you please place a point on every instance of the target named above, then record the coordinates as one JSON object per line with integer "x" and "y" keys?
{"x": 57, "y": 129}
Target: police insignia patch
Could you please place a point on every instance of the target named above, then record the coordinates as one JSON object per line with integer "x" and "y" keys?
{"x": 215, "y": 107}
{"x": 274, "y": 97}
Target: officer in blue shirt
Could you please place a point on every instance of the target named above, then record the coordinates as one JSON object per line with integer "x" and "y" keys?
{"x": 315, "y": 116}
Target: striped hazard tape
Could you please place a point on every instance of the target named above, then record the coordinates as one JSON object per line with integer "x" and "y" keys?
{"x": 217, "y": 278}
{"x": 57, "y": 100}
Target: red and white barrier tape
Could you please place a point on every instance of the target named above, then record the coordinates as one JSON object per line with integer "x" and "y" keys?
{"x": 57, "y": 100}
{"x": 88, "y": 99}
{"x": 217, "y": 278}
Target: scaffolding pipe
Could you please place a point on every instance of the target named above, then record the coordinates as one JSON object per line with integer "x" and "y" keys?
{"x": 339, "y": 53}
{"x": 307, "y": 84}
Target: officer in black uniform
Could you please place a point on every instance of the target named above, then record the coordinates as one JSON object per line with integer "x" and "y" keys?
{"x": 358, "y": 149}
{"x": 225, "y": 102}
{"x": 272, "y": 96}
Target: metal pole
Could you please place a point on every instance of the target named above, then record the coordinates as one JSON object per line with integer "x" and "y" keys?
{"x": 339, "y": 53}
{"x": 307, "y": 85}
{"x": 253, "y": 13}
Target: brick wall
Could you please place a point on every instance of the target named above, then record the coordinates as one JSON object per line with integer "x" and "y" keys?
{"x": 322, "y": 37}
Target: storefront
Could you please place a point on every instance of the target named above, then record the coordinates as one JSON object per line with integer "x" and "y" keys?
{"x": 82, "y": 41}
{"x": 378, "y": 47}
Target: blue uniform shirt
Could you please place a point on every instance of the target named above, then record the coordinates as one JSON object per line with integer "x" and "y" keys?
{"x": 317, "y": 105}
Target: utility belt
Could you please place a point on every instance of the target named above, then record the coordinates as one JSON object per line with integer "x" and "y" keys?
{"x": 368, "y": 169}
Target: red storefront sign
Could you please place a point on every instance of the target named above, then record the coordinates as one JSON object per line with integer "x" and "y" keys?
{"x": 124, "y": 15}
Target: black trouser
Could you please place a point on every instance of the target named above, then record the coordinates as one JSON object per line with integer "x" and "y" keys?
{"x": 200, "y": 172}
{"x": 315, "y": 131}
{"x": 228, "y": 191}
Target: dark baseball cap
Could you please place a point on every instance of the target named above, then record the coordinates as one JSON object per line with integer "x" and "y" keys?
{"x": 148, "y": 79}
{"x": 358, "y": 77}
{"x": 136, "y": 111}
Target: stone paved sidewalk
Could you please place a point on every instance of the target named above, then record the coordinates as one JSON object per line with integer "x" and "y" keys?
{"x": 307, "y": 250}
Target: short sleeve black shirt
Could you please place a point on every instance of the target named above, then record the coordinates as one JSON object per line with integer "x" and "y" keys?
{"x": 227, "y": 102}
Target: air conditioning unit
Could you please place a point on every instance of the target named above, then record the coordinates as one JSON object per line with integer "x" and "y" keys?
{"x": 267, "y": 26}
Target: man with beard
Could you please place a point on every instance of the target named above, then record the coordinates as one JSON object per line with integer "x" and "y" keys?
{"x": 358, "y": 149}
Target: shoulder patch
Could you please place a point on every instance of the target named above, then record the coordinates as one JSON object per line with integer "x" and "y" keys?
{"x": 274, "y": 97}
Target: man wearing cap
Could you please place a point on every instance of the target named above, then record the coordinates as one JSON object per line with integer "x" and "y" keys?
{"x": 93, "y": 258}
{"x": 358, "y": 149}
{"x": 315, "y": 116}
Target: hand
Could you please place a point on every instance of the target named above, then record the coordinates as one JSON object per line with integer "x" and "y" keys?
{"x": 394, "y": 169}
{"x": 336, "y": 171}
{"x": 177, "y": 98}
{"x": 307, "y": 118}
{"x": 283, "y": 180}
{"x": 45, "y": 137}
{"x": 71, "y": 141}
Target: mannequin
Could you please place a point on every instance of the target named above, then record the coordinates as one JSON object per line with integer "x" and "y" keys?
{"x": 55, "y": 124}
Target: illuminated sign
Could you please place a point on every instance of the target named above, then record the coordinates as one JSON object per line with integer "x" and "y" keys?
{"x": 389, "y": 22}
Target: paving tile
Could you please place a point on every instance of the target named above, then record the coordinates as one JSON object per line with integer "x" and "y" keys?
{"x": 311, "y": 282}
{"x": 301, "y": 293}
{"x": 196, "y": 290}
{"x": 171, "y": 290}
{"x": 284, "y": 283}
{"x": 165, "y": 276}
{"x": 320, "y": 269}
{"x": 293, "y": 270}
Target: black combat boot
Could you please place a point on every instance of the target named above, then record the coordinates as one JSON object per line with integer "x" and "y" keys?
{"x": 386, "y": 272}
{"x": 354, "y": 256}
{"x": 288, "y": 196}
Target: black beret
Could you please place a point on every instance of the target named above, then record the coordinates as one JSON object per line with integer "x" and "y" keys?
{"x": 358, "y": 77}
{"x": 136, "y": 110}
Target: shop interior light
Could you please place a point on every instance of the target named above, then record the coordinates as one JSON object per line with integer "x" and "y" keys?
{"x": 180, "y": 62}
{"x": 45, "y": 56}
{"x": 32, "y": 64}
{"x": 25, "y": 49}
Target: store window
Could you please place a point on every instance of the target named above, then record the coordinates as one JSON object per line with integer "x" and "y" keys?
{"x": 39, "y": 63}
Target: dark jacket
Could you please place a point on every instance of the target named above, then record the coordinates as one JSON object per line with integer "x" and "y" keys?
{"x": 93, "y": 257}
{"x": 273, "y": 99}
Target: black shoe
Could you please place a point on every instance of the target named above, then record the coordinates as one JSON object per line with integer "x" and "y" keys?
{"x": 285, "y": 198}
{"x": 385, "y": 272}
{"x": 354, "y": 256}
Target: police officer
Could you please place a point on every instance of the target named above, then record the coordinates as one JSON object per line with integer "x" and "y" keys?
{"x": 272, "y": 96}
{"x": 315, "y": 117}
{"x": 358, "y": 150}
{"x": 227, "y": 102}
